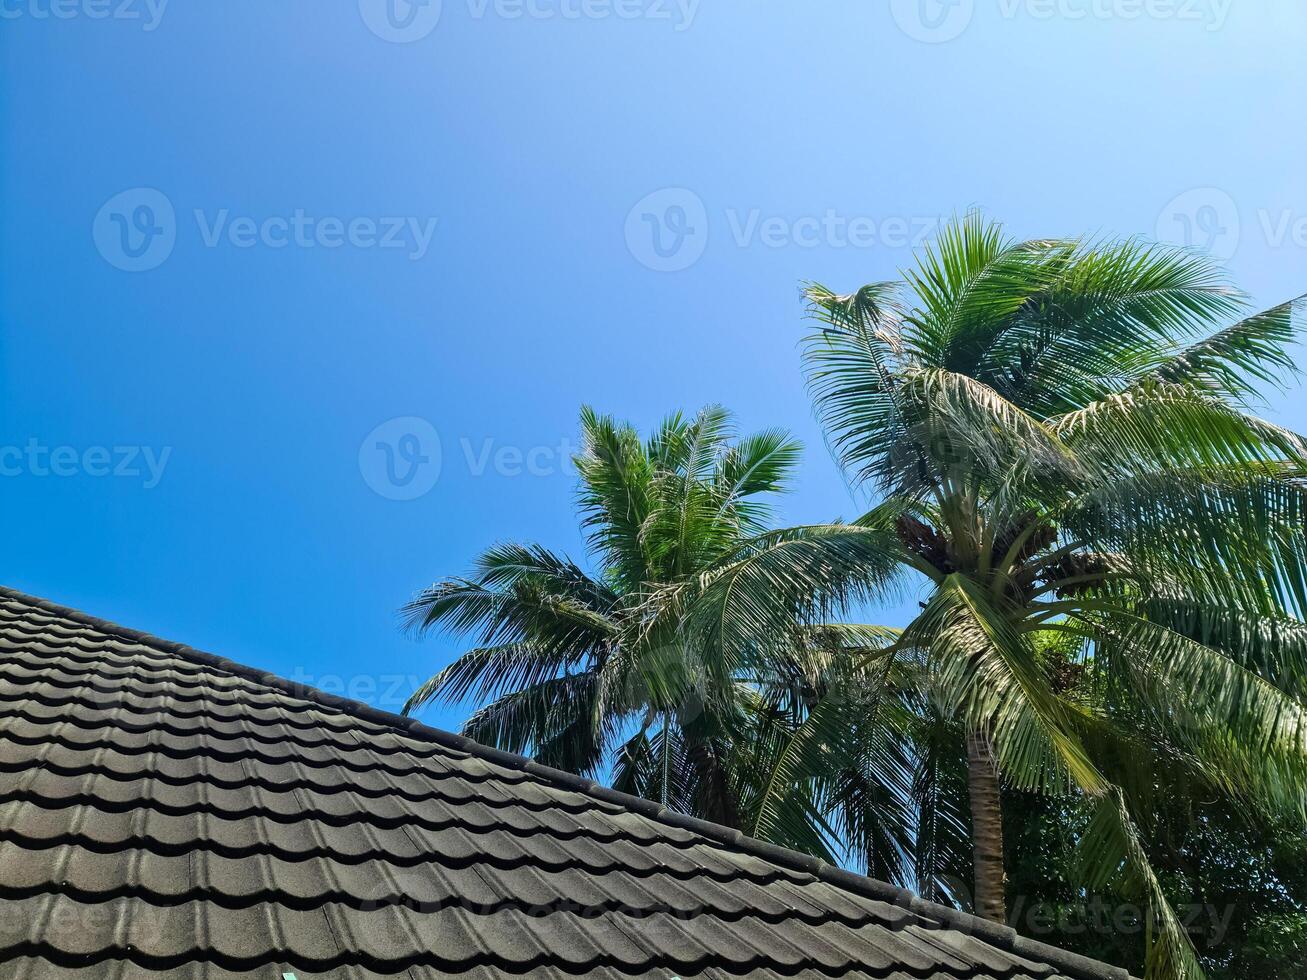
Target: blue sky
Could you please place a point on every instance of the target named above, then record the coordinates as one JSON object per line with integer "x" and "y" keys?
{"x": 240, "y": 239}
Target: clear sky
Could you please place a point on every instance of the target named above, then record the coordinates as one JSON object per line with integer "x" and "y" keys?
{"x": 240, "y": 238}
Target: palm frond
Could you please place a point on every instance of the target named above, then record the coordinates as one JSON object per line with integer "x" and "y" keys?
{"x": 853, "y": 365}
{"x": 1274, "y": 647}
{"x": 1112, "y": 854}
{"x": 1235, "y": 361}
{"x": 969, "y": 283}
{"x": 1226, "y": 534}
{"x": 488, "y": 672}
{"x": 550, "y": 719}
{"x": 941, "y": 854}
{"x": 1115, "y": 311}
{"x": 748, "y": 604}
{"x": 988, "y": 674}
{"x": 1252, "y": 735}
{"x": 614, "y": 495}
{"x": 757, "y": 465}
{"x": 1157, "y": 426}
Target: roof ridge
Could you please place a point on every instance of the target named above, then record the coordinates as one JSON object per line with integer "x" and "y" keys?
{"x": 1002, "y": 937}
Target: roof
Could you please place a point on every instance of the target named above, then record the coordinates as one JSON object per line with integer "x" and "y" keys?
{"x": 166, "y": 812}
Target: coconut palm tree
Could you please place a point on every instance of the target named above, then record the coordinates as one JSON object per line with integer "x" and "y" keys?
{"x": 1060, "y": 440}
{"x": 587, "y": 672}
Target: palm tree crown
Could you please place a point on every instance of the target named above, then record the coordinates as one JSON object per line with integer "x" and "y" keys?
{"x": 585, "y": 671}
{"x": 1059, "y": 438}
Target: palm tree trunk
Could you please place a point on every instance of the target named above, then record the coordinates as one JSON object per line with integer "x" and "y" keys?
{"x": 986, "y": 828}
{"x": 716, "y": 798}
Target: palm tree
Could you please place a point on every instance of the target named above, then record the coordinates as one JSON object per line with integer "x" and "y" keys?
{"x": 1060, "y": 441}
{"x": 590, "y": 671}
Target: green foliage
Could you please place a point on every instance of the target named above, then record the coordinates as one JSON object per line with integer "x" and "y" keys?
{"x": 1239, "y": 886}
{"x": 1115, "y": 546}
{"x": 1276, "y": 949}
{"x": 619, "y": 670}
{"x": 1060, "y": 442}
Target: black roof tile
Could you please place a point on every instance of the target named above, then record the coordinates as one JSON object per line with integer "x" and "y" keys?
{"x": 164, "y": 812}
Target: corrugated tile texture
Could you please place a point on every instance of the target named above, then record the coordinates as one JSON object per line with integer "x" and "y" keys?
{"x": 167, "y": 813}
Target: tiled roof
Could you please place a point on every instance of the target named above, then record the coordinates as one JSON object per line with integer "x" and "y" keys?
{"x": 166, "y": 812}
